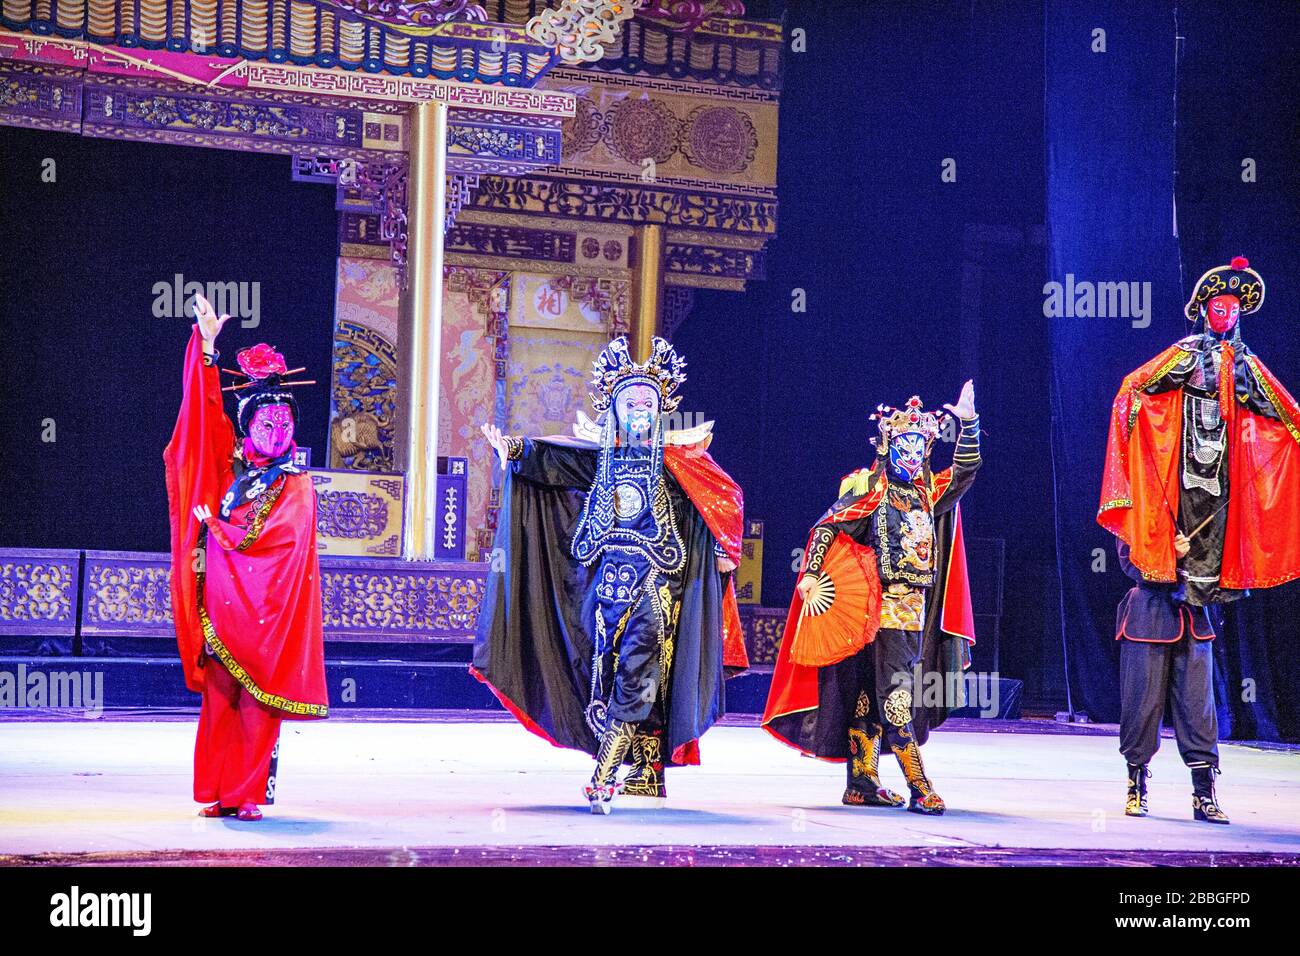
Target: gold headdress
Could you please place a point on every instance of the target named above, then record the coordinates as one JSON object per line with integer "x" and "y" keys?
{"x": 910, "y": 418}
{"x": 613, "y": 369}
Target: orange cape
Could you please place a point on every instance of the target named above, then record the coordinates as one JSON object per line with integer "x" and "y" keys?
{"x": 1140, "y": 484}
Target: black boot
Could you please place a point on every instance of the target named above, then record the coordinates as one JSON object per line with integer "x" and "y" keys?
{"x": 924, "y": 799}
{"x": 864, "y": 788}
{"x": 1136, "y": 805}
{"x": 614, "y": 744}
{"x": 646, "y": 783}
{"x": 1205, "y": 807}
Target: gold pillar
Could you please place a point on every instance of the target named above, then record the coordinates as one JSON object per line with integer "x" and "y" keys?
{"x": 421, "y": 336}
{"x": 648, "y": 280}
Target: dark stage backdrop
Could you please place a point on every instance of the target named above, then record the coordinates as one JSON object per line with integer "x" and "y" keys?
{"x": 82, "y": 346}
{"x": 912, "y": 284}
{"x": 1110, "y": 177}
{"x": 1146, "y": 145}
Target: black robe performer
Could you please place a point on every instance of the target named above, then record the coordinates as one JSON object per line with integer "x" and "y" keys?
{"x": 610, "y": 616}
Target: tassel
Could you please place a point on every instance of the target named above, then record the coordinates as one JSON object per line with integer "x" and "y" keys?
{"x": 1227, "y": 380}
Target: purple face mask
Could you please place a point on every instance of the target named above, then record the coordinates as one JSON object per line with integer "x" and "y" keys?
{"x": 270, "y": 431}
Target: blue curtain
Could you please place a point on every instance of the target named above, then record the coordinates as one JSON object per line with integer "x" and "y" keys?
{"x": 1145, "y": 144}
{"x": 1109, "y": 122}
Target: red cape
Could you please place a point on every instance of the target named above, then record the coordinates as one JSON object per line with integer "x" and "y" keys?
{"x": 1140, "y": 485}
{"x": 794, "y": 686}
{"x": 258, "y": 604}
{"x": 721, "y": 503}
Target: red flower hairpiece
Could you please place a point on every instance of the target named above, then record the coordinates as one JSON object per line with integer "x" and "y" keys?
{"x": 261, "y": 361}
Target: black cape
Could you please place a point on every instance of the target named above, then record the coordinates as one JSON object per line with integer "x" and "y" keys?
{"x": 533, "y": 647}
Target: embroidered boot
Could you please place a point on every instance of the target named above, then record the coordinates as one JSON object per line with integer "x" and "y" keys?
{"x": 924, "y": 799}
{"x": 1205, "y": 807}
{"x": 614, "y": 745}
{"x": 1136, "y": 805}
{"x": 646, "y": 784}
{"x": 864, "y": 788}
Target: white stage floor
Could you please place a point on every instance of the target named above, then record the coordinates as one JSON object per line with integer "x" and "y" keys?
{"x": 124, "y": 786}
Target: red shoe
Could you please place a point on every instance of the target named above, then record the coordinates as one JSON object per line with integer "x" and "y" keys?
{"x": 217, "y": 810}
{"x": 249, "y": 813}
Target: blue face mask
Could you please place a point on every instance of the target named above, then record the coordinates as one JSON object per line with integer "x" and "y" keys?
{"x": 635, "y": 411}
{"x": 907, "y": 455}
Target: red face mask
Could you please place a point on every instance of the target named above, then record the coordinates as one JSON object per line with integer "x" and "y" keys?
{"x": 1222, "y": 312}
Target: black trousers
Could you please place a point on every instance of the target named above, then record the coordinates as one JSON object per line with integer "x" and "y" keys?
{"x": 1177, "y": 679}
{"x": 634, "y": 672}
{"x": 885, "y": 674}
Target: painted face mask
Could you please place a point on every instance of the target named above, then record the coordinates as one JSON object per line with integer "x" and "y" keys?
{"x": 1222, "y": 313}
{"x": 1224, "y": 294}
{"x": 907, "y": 455}
{"x": 636, "y": 408}
{"x": 270, "y": 431}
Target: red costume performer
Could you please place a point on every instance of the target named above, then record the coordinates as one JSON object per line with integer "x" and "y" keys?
{"x": 1202, "y": 489}
{"x": 882, "y": 605}
{"x": 245, "y": 583}
{"x": 1257, "y": 530}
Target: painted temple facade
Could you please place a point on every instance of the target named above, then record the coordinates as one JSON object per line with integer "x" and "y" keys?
{"x": 602, "y": 161}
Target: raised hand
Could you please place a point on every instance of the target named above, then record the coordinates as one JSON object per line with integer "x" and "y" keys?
{"x": 209, "y": 322}
{"x": 497, "y": 440}
{"x": 965, "y": 407}
{"x": 202, "y": 512}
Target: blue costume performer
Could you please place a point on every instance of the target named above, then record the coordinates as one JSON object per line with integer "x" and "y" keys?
{"x": 614, "y": 616}
{"x": 883, "y": 591}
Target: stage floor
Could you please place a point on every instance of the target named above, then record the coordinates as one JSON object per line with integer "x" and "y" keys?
{"x": 402, "y": 792}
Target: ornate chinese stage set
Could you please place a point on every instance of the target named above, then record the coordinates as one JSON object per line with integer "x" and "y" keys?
{"x": 517, "y": 183}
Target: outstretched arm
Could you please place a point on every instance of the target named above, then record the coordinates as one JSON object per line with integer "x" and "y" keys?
{"x": 198, "y": 455}
{"x": 966, "y": 456}
{"x": 1170, "y": 374}
{"x": 1260, "y": 395}
{"x": 544, "y": 463}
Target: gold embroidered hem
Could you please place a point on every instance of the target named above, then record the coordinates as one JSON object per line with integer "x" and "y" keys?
{"x": 1272, "y": 396}
{"x": 260, "y": 512}
{"x": 222, "y": 653}
{"x": 902, "y": 608}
